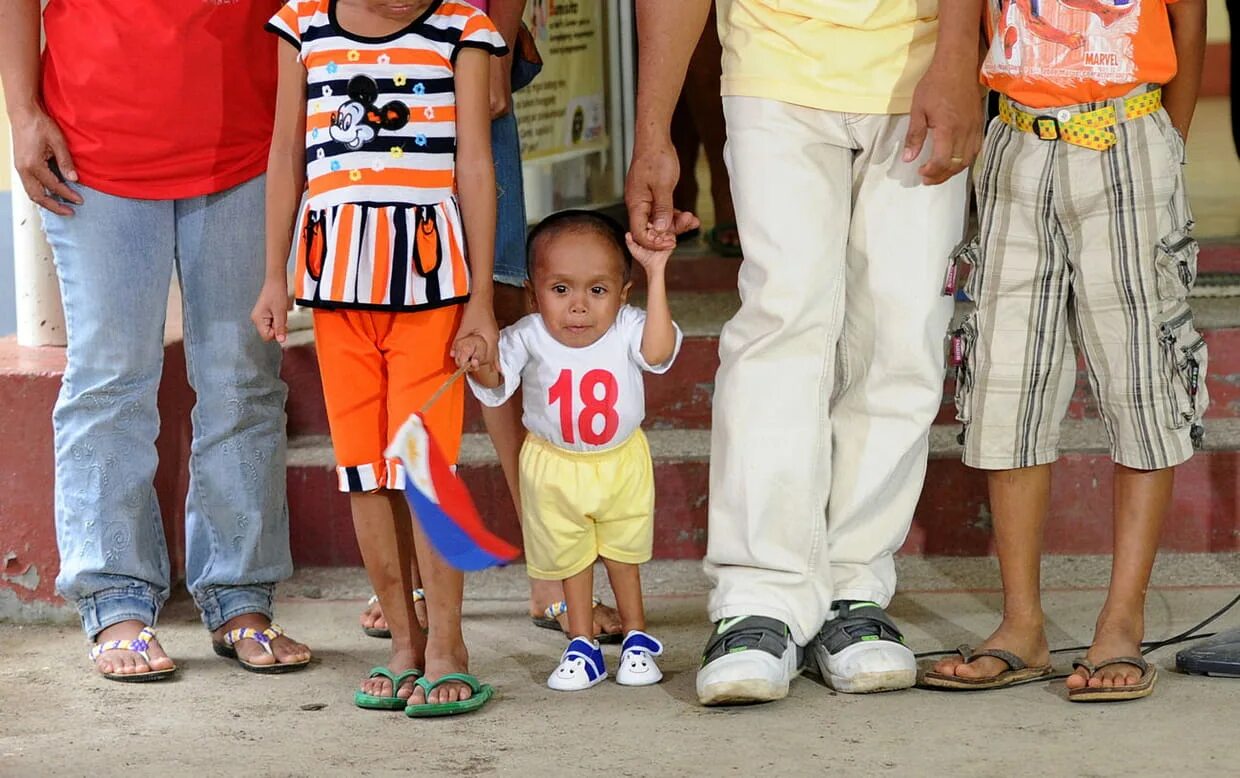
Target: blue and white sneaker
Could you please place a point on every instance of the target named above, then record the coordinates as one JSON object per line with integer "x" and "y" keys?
{"x": 637, "y": 665}
{"x": 581, "y": 667}
{"x": 747, "y": 659}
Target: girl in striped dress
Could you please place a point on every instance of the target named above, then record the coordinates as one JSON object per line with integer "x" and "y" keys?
{"x": 383, "y": 120}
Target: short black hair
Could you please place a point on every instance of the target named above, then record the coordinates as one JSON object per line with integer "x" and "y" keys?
{"x": 578, "y": 220}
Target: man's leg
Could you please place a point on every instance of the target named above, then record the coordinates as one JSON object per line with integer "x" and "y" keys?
{"x": 114, "y": 259}
{"x": 890, "y": 356}
{"x": 889, "y": 388}
{"x": 770, "y": 468}
{"x": 236, "y": 513}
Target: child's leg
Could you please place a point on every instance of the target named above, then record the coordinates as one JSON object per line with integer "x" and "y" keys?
{"x": 626, "y": 582}
{"x": 372, "y": 616}
{"x": 1018, "y": 500}
{"x": 353, "y": 373}
{"x": 1135, "y": 267}
{"x": 445, "y": 643}
{"x": 1141, "y": 499}
{"x": 1016, "y": 376}
{"x": 387, "y": 545}
{"x": 416, "y": 346}
{"x": 579, "y": 596}
{"x": 624, "y": 525}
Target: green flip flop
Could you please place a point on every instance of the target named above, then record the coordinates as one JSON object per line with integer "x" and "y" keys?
{"x": 482, "y": 694}
{"x": 379, "y": 702}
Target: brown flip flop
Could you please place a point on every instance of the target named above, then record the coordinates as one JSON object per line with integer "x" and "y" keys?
{"x": 1142, "y": 688}
{"x": 1018, "y": 672}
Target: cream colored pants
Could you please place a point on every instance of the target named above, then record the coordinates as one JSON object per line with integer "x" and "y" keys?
{"x": 832, "y": 370}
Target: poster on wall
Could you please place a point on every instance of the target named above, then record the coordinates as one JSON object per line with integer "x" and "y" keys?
{"x": 563, "y": 112}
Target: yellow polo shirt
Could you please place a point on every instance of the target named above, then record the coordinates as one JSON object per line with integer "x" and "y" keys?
{"x": 854, "y": 56}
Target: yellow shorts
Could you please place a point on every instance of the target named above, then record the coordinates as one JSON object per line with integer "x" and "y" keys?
{"x": 578, "y": 506}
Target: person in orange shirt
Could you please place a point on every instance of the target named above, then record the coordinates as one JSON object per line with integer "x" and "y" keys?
{"x": 1031, "y": 10}
{"x": 1084, "y": 224}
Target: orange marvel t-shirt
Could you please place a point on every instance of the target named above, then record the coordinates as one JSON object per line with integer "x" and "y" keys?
{"x": 1049, "y": 53}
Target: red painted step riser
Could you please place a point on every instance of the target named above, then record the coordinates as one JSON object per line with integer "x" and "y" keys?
{"x": 681, "y": 398}
{"x": 953, "y": 517}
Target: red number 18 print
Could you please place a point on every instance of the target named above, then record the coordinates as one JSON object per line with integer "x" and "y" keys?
{"x": 592, "y": 406}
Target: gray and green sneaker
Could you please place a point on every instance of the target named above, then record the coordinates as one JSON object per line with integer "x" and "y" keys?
{"x": 747, "y": 659}
{"x": 861, "y": 650}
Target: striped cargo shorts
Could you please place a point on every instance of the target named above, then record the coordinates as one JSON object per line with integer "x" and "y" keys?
{"x": 1087, "y": 246}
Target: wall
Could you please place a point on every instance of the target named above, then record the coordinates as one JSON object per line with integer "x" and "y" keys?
{"x": 8, "y": 312}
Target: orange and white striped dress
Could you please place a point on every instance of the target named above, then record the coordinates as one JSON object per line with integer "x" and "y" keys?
{"x": 381, "y": 229}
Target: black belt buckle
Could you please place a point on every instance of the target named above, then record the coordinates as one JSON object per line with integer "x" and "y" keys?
{"x": 1044, "y": 122}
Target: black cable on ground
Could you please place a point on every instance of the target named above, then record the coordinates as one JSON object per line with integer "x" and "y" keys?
{"x": 1147, "y": 647}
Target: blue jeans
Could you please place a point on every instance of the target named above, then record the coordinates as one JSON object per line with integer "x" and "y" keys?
{"x": 510, "y": 225}
{"x": 115, "y": 258}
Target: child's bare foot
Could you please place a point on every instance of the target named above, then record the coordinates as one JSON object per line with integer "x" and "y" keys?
{"x": 372, "y": 617}
{"x": 1111, "y": 639}
{"x": 124, "y": 662}
{"x": 1025, "y": 640}
{"x": 441, "y": 659}
{"x": 399, "y": 662}
{"x": 284, "y": 649}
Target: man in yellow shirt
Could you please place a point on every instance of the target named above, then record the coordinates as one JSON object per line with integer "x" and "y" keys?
{"x": 850, "y": 123}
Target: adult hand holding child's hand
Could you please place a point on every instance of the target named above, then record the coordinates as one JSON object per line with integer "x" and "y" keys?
{"x": 651, "y": 260}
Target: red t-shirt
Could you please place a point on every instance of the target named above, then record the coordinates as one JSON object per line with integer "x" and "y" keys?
{"x": 162, "y": 99}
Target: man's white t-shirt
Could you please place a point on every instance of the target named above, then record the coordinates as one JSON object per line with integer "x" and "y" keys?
{"x": 581, "y": 399}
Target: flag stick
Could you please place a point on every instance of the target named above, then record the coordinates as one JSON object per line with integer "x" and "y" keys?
{"x": 460, "y": 371}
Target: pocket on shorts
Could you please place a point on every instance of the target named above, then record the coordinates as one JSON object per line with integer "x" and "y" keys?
{"x": 1185, "y": 364}
{"x": 1176, "y": 265}
{"x": 963, "y": 346}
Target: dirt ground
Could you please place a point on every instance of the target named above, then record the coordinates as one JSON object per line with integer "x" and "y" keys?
{"x": 58, "y": 718}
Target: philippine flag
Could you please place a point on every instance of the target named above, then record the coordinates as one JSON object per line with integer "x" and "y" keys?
{"x": 442, "y": 505}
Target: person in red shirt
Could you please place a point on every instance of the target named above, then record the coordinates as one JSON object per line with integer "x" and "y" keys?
{"x": 143, "y": 134}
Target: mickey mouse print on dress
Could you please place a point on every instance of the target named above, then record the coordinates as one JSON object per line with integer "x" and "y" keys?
{"x": 358, "y": 121}
{"x": 381, "y": 228}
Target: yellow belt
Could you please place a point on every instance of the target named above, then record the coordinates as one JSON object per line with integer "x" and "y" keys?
{"x": 1087, "y": 129}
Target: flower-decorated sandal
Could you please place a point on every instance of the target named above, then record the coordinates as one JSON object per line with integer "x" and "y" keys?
{"x": 227, "y": 649}
{"x": 139, "y": 646}
{"x": 550, "y": 620}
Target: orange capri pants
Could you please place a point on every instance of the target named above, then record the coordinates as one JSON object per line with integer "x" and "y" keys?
{"x": 378, "y": 367}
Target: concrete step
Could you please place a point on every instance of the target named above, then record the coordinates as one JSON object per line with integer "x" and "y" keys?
{"x": 681, "y": 398}
{"x": 952, "y": 518}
